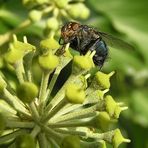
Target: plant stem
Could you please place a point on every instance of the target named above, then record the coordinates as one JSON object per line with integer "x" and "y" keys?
{"x": 71, "y": 132}
{"x": 95, "y": 135}
{"x": 19, "y": 67}
{"x": 95, "y": 144}
{"x": 44, "y": 83}
{"x": 53, "y": 80}
{"x": 12, "y": 101}
{"x": 68, "y": 108}
{"x": 35, "y": 131}
{"x": 55, "y": 110}
{"x": 84, "y": 113}
{"x": 73, "y": 78}
{"x": 53, "y": 142}
{"x": 34, "y": 111}
{"x": 27, "y": 65}
{"x": 42, "y": 140}
{"x": 59, "y": 96}
{"x": 19, "y": 124}
{"x": 52, "y": 133}
{"x": 43, "y": 90}
{"x": 72, "y": 123}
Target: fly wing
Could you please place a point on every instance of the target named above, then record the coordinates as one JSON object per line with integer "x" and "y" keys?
{"x": 115, "y": 42}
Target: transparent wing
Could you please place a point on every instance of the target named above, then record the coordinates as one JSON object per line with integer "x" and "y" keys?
{"x": 115, "y": 42}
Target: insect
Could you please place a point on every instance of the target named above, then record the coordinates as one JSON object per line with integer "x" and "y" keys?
{"x": 83, "y": 38}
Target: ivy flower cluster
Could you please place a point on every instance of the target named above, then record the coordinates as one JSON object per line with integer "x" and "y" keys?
{"x": 49, "y": 13}
{"x": 79, "y": 115}
{"x": 56, "y": 10}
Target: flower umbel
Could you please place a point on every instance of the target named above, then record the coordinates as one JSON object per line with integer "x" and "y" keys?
{"x": 37, "y": 115}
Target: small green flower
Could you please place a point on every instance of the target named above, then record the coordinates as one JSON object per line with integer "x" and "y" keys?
{"x": 17, "y": 51}
{"x": 102, "y": 121}
{"x": 82, "y": 63}
{"x": 49, "y": 44}
{"x": 49, "y": 61}
{"x": 112, "y": 107}
{"x": 14, "y": 55}
{"x": 103, "y": 79}
{"x": 52, "y": 23}
{"x": 61, "y": 3}
{"x": 78, "y": 10}
{"x": 75, "y": 94}
{"x": 35, "y": 15}
{"x": 118, "y": 138}
{"x": 27, "y": 92}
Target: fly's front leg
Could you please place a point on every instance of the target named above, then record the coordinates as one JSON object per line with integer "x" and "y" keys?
{"x": 61, "y": 50}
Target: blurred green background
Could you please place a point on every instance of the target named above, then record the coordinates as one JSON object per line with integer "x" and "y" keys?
{"x": 125, "y": 19}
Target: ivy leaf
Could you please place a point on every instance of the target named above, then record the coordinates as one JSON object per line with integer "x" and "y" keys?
{"x": 130, "y": 17}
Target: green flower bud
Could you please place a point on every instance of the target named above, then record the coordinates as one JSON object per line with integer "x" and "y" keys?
{"x": 113, "y": 108}
{"x": 110, "y": 105}
{"x": 118, "y": 138}
{"x": 102, "y": 121}
{"x": 52, "y": 23}
{"x": 71, "y": 142}
{"x": 61, "y": 3}
{"x": 49, "y": 61}
{"x": 17, "y": 50}
{"x": 3, "y": 84}
{"x": 74, "y": 94}
{"x": 27, "y": 91}
{"x": 2, "y": 122}
{"x": 14, "y": 55}
{"x": 78, "y": 10}
{"x": 85, "y": 12}
{"x": 25, "y": 141}
{"x": 35, "y": 15}
{"x": 82, "y": 63}
{"x": 103, "y": 79}
{"x": 49, "y": 44}
{"x": 21, "y": 45}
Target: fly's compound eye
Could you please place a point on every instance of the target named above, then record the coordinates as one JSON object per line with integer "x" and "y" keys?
{"x": 74, "y": 26}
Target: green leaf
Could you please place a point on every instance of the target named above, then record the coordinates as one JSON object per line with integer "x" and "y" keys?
{"x": 139, "y": 103}
{"x": 121, "y": 60}
{"x": 128, "y": 16}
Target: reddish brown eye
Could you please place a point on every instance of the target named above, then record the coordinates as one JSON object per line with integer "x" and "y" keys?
{"x": 75, "y": 26}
